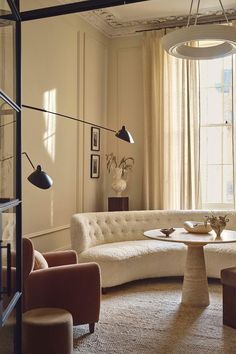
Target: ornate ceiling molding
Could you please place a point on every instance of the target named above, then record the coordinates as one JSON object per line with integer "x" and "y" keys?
{"x": 105, "y": 21}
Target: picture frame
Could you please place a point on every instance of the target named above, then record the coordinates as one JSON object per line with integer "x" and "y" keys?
{"x": 95, "y": 166}
{"x": 95, "y": 139}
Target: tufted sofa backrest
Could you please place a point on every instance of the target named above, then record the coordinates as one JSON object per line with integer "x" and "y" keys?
{"x": 91, "y": 229}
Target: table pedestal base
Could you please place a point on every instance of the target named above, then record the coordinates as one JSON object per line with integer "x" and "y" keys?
{"x": 195, "y": 286}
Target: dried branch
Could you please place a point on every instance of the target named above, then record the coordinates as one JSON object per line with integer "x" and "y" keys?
{"x": 126, "y": 163}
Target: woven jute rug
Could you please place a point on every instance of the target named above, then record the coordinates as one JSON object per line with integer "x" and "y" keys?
{"x": 146, "y": 317}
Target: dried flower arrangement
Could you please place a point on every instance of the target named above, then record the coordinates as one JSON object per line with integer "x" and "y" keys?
{"x": 125, "y": 164}
{"x": 218, "y": 223}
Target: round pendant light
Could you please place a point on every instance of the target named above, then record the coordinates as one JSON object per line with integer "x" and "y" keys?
{"x": 178, "y": 43}
{"x": 175, "y": 42}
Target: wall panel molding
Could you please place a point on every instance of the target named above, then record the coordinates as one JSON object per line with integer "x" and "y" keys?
{"x": 46, "y": 232}
{"x": 95, "y": 70}
{"x": 125, "y": 102}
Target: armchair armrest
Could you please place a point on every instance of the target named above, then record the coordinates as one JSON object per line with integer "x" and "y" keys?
{"x": 61, "y": 258}
{"x": 75, "y": 288}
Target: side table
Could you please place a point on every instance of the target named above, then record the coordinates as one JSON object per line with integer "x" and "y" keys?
{"x": 118, "y": 203}
{"x": 195, "y": 286}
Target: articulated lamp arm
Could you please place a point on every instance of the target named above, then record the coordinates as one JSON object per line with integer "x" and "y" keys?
{"x": 122, "y": 134}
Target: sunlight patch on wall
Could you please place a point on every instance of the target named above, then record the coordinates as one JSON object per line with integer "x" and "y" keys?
{"x": 49, "y": 137}
{"x": 52, "y": 209}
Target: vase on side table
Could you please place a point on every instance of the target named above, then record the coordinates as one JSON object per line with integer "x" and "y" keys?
{"x": 119, "y": 184}
{"x": 218, "y": 223}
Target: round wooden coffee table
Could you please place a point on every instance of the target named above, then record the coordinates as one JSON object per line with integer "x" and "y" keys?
{"x": 195, "y": 286}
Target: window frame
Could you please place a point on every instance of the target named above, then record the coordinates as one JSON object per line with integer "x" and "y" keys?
{"x": 222, "y": 205}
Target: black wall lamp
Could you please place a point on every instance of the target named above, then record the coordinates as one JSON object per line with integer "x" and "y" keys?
{"x": 38, "y": 178}
{"x": 122, "y": 134}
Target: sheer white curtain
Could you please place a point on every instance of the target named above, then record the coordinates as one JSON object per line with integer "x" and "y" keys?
{"x": 171, "y": 151}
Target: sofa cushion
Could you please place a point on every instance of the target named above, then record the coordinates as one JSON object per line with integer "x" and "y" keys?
{"x": 218, "y": 257}
{"x": 122, "y": 261}
{"x": 39, "y": 261}
{"x": 121, "y": 251}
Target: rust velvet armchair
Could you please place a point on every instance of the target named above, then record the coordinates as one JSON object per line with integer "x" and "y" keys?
{"x": 61, "y": 282}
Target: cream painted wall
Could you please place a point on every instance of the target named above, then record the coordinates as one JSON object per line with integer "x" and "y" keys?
{"x": 49, "y": 64}
{"x": 70, "y": 67}
{"x": 64, "y": 63}
{"x": 125, "y": 107}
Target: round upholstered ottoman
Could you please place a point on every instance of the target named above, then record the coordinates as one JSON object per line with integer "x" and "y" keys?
{"x": 47, "y": 331}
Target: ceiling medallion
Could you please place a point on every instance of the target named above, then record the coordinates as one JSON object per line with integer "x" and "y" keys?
{"x": 178, "y": 43}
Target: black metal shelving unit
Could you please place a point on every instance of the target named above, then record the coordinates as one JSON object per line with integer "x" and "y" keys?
{"x": 10, "y": 179}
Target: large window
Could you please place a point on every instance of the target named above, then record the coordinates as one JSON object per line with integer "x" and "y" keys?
{"x": 216, "y": 133}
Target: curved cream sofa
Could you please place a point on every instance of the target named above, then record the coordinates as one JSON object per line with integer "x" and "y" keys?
{"x": 116, "y": 242}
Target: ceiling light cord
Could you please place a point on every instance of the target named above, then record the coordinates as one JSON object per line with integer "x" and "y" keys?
{"x": 227, "y": 20}
{"x": 197, "y": 13}
{"x": 196, "y": 18}
{"x": 190, "y": 14}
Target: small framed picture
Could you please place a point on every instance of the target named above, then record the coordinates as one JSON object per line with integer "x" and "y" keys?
{"x": 95, "y": 166}
{"x": 95, "y": 139}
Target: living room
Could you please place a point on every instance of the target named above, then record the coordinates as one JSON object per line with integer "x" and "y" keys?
{"x": 99, "y": 70}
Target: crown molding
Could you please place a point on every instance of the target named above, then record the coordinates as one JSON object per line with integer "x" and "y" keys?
{"x": 106, "y": 22}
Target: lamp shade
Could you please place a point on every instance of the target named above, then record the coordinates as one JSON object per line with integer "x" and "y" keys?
{"x": 125, "y": 135}
{"x": 40, "y": 179}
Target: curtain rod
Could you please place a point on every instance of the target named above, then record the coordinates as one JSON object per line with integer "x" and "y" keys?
{"x": 182, "y": 23}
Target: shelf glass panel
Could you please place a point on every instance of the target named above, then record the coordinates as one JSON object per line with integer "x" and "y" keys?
{"x": 7, "y": 56}
{"x": 4, "y": 8}
{"x": 9, "y": 293}
{"x": 7, "y": 257}
{"x": 7, "y": 152}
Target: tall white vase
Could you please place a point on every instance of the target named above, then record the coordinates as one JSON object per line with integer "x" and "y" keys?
{"x": 119, "y": 184}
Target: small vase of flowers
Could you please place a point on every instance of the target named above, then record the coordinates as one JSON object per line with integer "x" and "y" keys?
{"x": 120, "y": 171}
{"x": 218, "y": 223}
